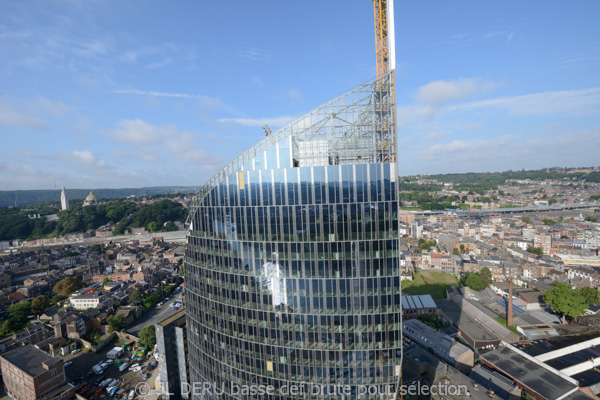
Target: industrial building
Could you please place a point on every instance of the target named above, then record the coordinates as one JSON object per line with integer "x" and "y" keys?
{"x": 443, "y": 346}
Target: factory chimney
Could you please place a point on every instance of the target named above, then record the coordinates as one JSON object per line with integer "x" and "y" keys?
{"x": 509, "y": 311}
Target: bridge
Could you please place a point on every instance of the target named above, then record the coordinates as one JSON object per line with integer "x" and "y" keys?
{"x": 510, "y": 210}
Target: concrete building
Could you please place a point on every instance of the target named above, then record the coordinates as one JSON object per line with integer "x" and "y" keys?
{"x": 544, "y": 241}
{"x": 171, "y": 344}
{"x": 85, "y": 301}
{"x": 31, "y": 374}
{"x": 64, "y": 200}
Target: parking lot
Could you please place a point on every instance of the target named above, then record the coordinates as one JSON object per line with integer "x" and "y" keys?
{"x": 80, "y": 371}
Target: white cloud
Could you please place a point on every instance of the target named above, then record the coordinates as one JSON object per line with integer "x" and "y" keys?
{"x": 138, "y": 131}
{"x": 410, "y": 114}
{"x": 154, "y": 140}
{"x": 294, "y": 94}
{"x": 547, "y": 148}
{"x": 85, "y": 158}
{"x": 441, "y": 92}
{"x": 572, "y": 102}
{"x": 214, "y": 103}
{"x": 273, "y": 121}
{"x": 9, "y": 116}
{"x": 55, "y": 108}
{"x": 251, "y": 52}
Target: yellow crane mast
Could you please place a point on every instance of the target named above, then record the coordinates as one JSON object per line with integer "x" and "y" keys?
{"x": 382, "y": 51}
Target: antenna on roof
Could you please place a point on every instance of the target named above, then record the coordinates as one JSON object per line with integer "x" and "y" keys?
{"x": 267, "y": 130}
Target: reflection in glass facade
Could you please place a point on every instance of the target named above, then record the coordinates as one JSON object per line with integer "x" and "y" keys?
{"x": 292, "y": 273}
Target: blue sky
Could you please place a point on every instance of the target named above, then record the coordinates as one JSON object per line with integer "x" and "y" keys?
{"x": 103, "y": 93}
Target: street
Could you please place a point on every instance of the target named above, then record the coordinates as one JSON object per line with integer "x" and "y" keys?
{"x": 155, "y": 315}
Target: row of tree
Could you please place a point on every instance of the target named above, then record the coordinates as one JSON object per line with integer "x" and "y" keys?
{"x": 16, "y": 223}
{"x": 570, "y": 302}
{"x": 477, "y": 280}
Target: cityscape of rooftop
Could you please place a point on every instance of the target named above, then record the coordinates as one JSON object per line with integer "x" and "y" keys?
{"x": 241, "y": 201}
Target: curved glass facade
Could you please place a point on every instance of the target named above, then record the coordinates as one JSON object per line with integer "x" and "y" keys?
{"x": 292, "y": 273}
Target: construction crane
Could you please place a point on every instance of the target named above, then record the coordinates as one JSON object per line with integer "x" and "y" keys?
{"x": 384, "y": 36}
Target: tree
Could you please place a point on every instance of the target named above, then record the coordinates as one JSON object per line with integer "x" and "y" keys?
{"x": 55, "y": 299}
{"x": 591, "y": 218}
{"x": 116, "y": 322}
{"x": 181, "y": 270}
{"x": 18, "y": 318}
{"x": 486, "y": 274}
{"x": 135, "y": 297}
{"x": 565, "y": 300}
{"x": 590, "y": 295}
{"x": 147, "y": 337}
{"x": 535, "y": 250}
{"x": 475, "y": 282}
{"x": 455, "y": 251}
{"x": 526, "y": 219}
{"x": 153, "y": 226}
{"x": 40, "y": 304}
{"x": 547, "y": 221}
{"x": 67, "y": 286}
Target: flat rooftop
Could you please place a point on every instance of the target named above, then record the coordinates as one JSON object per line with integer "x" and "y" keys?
{"x": 30, "y": 359}
{"x": 172, "y": 318}
{"x": 530, "y": 374}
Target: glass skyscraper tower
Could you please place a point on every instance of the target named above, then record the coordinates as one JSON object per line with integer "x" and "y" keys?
{"x": 292, "y": 271}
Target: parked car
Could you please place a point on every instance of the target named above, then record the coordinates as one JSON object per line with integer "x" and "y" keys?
{"x": 123, "y": 367}
{"x": 68, "y": 363}
{"x": 104, "y": 365}
{"x": 131, "y": 394}
{"x": 75, "y": 351}
{"x": 109, "y": 361}
{"x": 144, "y": 376}
{"x": 106, "y": 382}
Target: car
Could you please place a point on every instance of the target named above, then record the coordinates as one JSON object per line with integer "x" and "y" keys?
{"x": 97, "y": 381}
{"x": 109, "y": 361}
{"x": 131, "y": 394}
{"x": 113, "y": 391}
{"x": 105, "y": 382}
{"x": 68, "y": 363}
{"x": 144, "y": 376}
{"x": 153, "y": 363}
{"x": 123, "y": 367}
{"x": 75, "y": 351}
{"x": 135, "y": 369}
{"x": 104, "y": 365}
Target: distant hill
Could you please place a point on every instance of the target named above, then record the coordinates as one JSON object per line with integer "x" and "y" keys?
{"x": 499, "y": 178}
{"x": 25, "y": 197}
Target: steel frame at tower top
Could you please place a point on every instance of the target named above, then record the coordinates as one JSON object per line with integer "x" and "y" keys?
{"x": 384, "y": 36}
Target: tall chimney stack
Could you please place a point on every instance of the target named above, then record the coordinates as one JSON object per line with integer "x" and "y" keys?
{"x": 509, "y": 312}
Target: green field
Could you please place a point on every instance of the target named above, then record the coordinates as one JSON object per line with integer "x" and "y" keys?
{"x": 429, "y": 282}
